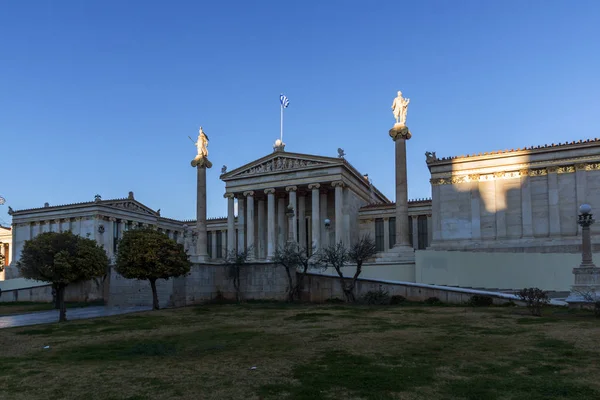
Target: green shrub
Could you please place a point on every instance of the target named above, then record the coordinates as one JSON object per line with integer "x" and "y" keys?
{"x": 378, "y": 297}
{"x": 397, "y": 299}
{"x": 478, "y": 300}
{"x": 432, "y": 301}
{"x": 509, "y": 303}
{"x": 597, "y": 309}
{"x": 334, "y": 300}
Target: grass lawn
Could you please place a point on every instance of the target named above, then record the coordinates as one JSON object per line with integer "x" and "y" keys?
{"x": 23, "y": 307}
{"x": 307, "y": 352}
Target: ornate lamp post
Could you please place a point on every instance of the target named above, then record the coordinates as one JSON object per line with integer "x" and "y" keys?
{"x": 586, "y": 288}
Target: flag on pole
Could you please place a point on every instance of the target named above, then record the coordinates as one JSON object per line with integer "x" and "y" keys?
{"x": 285, "y": 102}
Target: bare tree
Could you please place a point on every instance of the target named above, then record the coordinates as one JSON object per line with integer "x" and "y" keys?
{"x": 235, "y": 260}
{"x": 338, "y": 256}
{"x": 291, "y": 257}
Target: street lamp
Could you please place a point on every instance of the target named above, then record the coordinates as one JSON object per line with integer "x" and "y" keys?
{"x": 586, "y": 285}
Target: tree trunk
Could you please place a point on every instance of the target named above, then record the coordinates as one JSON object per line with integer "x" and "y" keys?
{"x": 291, "y": 287}
{"x": 352, "y": 285}
{"x": 154, "y": 294}
{"x": 60, "y": 294}
{"x": 55, "y": 297}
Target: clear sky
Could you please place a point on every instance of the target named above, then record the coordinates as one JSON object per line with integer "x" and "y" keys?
{"x": 100, "y": 96}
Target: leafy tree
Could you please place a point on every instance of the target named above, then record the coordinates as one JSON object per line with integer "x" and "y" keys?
{"x": 338, "y": 256}
{"x": 147, "y": 254}
{"x": 235, "y": 260}
{"x": 291, "y": 257}
{"x": 61, "y": 259}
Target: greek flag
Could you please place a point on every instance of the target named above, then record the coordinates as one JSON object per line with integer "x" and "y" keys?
{"x": 284, "y": 101}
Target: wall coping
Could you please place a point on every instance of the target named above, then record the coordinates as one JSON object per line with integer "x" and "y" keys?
{"x": 506, "y": 296}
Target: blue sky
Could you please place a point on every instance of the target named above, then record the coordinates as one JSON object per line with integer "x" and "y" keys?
{"x": 100, "y": 96}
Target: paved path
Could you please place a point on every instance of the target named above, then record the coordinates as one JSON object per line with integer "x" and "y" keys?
{"x": 48, "y": 317}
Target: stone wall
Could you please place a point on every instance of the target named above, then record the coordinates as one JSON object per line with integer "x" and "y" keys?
{"x": 319, "y": 288}
{"x": 80, "y": 292}
{"x": 203, "y": 283}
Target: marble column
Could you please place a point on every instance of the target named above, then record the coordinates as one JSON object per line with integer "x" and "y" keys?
{"x": 415, "y": 231}
{"x": 302, "y": 219}
{"x": 293, "y": 201}
{"x": 553, "y": 202}
{"x": 386, "y": 234}
{"x": 316, "y": 222}
{"x": 500, "y": 202}
{"x": 281, "y": 231}
{"x": 250, "y": 223}
{"x": 322, "y": 216}
{"x": 213, "y": 245}
{"x": 429, "y": 230}
{"x": 201, "y": 241}
{"x": 224, "y": 244}
{"x": 580, "y": 187}
{"x": 124, "y": 227}
{"x": 526, "y": 209}
{"x": 475, "y": 208}
{"x": 400, "y": 134}
{"x": 230, "y": 222}
{"x": 241, "y": 243}
{"x": 271, "y": 240}
{"x": 339, "y": 212}
{"x": 261, "y": 229}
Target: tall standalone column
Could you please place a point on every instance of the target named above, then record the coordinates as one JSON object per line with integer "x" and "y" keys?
{"x": 250, "y": 223}
{"x": 316, "y": 224}
{"x": 400, "y": 134}
{"x": 270, "y": 222}
{"x": 230, "y": 222}
{"x": 294, "y": 228}
{"x": 201, "y": 163}
{"x": 339, "y": 211}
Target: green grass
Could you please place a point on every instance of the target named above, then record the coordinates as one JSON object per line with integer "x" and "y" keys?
{"x": 305, "y": 351}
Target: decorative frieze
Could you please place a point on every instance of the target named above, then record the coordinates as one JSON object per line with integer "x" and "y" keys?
{"x": 281, "y": 164}
{"x": 525, "y": 172}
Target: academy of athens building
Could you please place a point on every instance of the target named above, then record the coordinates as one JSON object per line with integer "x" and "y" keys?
{"x": 500, "y": 220}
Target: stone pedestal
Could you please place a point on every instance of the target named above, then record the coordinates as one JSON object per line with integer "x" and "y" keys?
{"x": 201, "y": 164}
{"x": 402, "y": 251}
{"x": 586, "y": 286}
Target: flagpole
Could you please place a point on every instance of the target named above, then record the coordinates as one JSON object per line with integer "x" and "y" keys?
{"x": 281, "y": 124}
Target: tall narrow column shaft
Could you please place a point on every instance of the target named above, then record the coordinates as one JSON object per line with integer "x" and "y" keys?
{"x": 316, "y": 225}
{"x": 202, "y": 241}
{"x": 230, "y": 222}
{"x": 339, "y": 211}
{"x": 293, "y": 229}
{"x": 270, "y": 222}
{"x": 250, "y": 223}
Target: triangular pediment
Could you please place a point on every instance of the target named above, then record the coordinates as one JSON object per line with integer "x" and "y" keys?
{"x": 131, "y": 205}
{"x": 278, "y": 162}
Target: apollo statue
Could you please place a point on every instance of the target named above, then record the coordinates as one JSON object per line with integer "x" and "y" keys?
{"x": 399, "y": 108}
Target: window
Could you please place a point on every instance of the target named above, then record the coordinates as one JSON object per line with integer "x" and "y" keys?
{"x": 115, "y": 236}
{"x": 379, "y": 236}
{"x": 422, "y": 224}
{"x": 392, "y": 235}
{"x": 219, "y": 245}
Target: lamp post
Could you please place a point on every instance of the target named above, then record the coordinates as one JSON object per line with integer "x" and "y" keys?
{"x": 327, "y": 223}
{"x": 586, "y": 287}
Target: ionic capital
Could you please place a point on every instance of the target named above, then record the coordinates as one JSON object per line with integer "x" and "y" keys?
{"x": 291, "y": 188}
{"x": 112, "y": 219}
{"x": 249, "y": 193}
{"x": 229, "y": 195}
{"x": 415, "y": 217}
{"x": 581, "y": 166}
{"x": 314, "y": 186}
{"x": 552, "y": 170}
{"x": 337, "y": 183}
{"x": 270, "y": 191}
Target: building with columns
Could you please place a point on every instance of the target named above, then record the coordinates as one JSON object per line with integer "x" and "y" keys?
{"x": 5, "y": 247}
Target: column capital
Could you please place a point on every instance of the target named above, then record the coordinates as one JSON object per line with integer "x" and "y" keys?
{"x": 249, "y": 193}
{"x": 337, "y": 183}
{"x": 400, "y": 132}
{"x": 291, "y": 188}
{"x": 580, "y": 166}
{"x": 552, "y": 169}
{"x": 229, "y": 195}
{"x": 314, "y": 186}
{"x": 270, "y": 191}
{"x": 428, "y": 215}
{"x": 112, "y": 219}
{"x": 415, "y": 216}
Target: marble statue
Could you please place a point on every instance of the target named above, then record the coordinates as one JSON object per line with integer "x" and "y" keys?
{"x": 341, "y": 153}
{"x": 224, "y": 169}
{"x": 202, "y": 144}
{"x": 399, "y": 108}
{"x": 430, "y": 155}
{"x": 10, "y": 210}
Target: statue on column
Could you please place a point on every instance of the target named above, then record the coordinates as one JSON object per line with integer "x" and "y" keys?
{"x": 202, "y": 145}
{"x": 399, "y": 108}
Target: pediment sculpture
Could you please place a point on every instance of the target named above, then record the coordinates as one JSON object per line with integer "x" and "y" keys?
{"x": 280, "y": 164}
